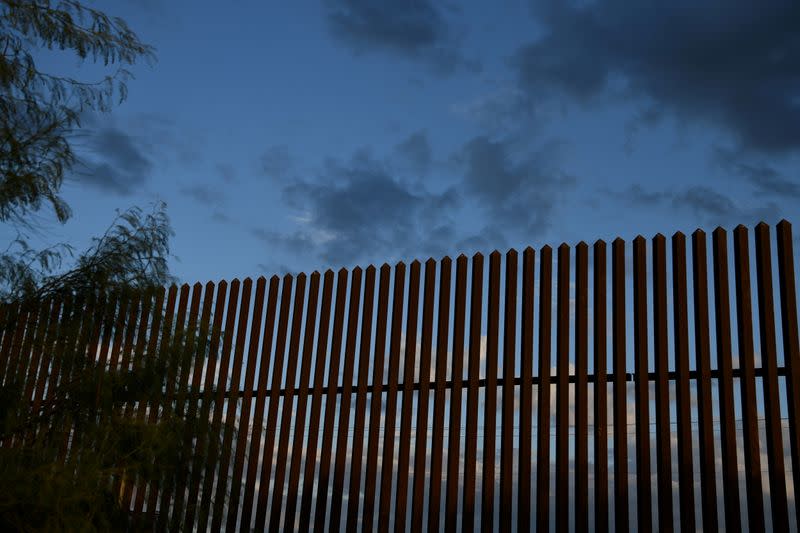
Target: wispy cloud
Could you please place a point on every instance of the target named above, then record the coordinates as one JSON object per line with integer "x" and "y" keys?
{"x": 708, "y": 204}
{"x": 117, "y": 162}
{"x": 417, "y": 30}
{"x": 360, "y": 208}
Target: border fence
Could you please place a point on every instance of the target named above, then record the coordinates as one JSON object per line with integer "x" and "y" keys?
{"x": 625, "y": 389}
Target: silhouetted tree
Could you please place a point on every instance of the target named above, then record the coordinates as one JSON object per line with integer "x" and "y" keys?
{"x": 39, "y": 110}
{"x": 70, "y": 457}
{"x": 39, "y": 113}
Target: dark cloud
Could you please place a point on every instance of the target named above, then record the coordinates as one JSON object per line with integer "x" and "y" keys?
{"x": 296, "y": 242}
{"x": 414, "y": 29}
{"x": 219, "y": 216}
{"x": 117, "y": 162}
{"x": 370, "y": 208}
{"x": 729, "y": 64}
{"x": 514, "y": 192}
{"x": 360, "y": 210}
{"x": 120, "y": 155}
{"x": 704, "y": 200}
{"x": 276, "y": 162}
{"x": 488, "y": 238}
{"x": 165, "y": 140}
{"x": 497, "y": 111}
{"x": 415, "y": 152}
{"x": 271, "y": 268}
{"x": 708, "y": 205}
{"x": 644, "y": 118}
{"x": 635, "y": 195}
{"x": 203, "y": 194}
{"x": 226, "y": 172}
{"x": 765, "y": 178}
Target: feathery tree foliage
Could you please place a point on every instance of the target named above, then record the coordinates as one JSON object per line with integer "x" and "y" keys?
{"x": 39, "y": 113}
{"x": 83, "y": 420}
{"x": 38, "y": 110}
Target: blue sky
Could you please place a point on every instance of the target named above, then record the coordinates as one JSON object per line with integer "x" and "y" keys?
{"x": 290, "y": 137}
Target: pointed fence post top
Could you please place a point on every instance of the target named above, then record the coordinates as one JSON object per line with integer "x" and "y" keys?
{"x": 741, "y": 228}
